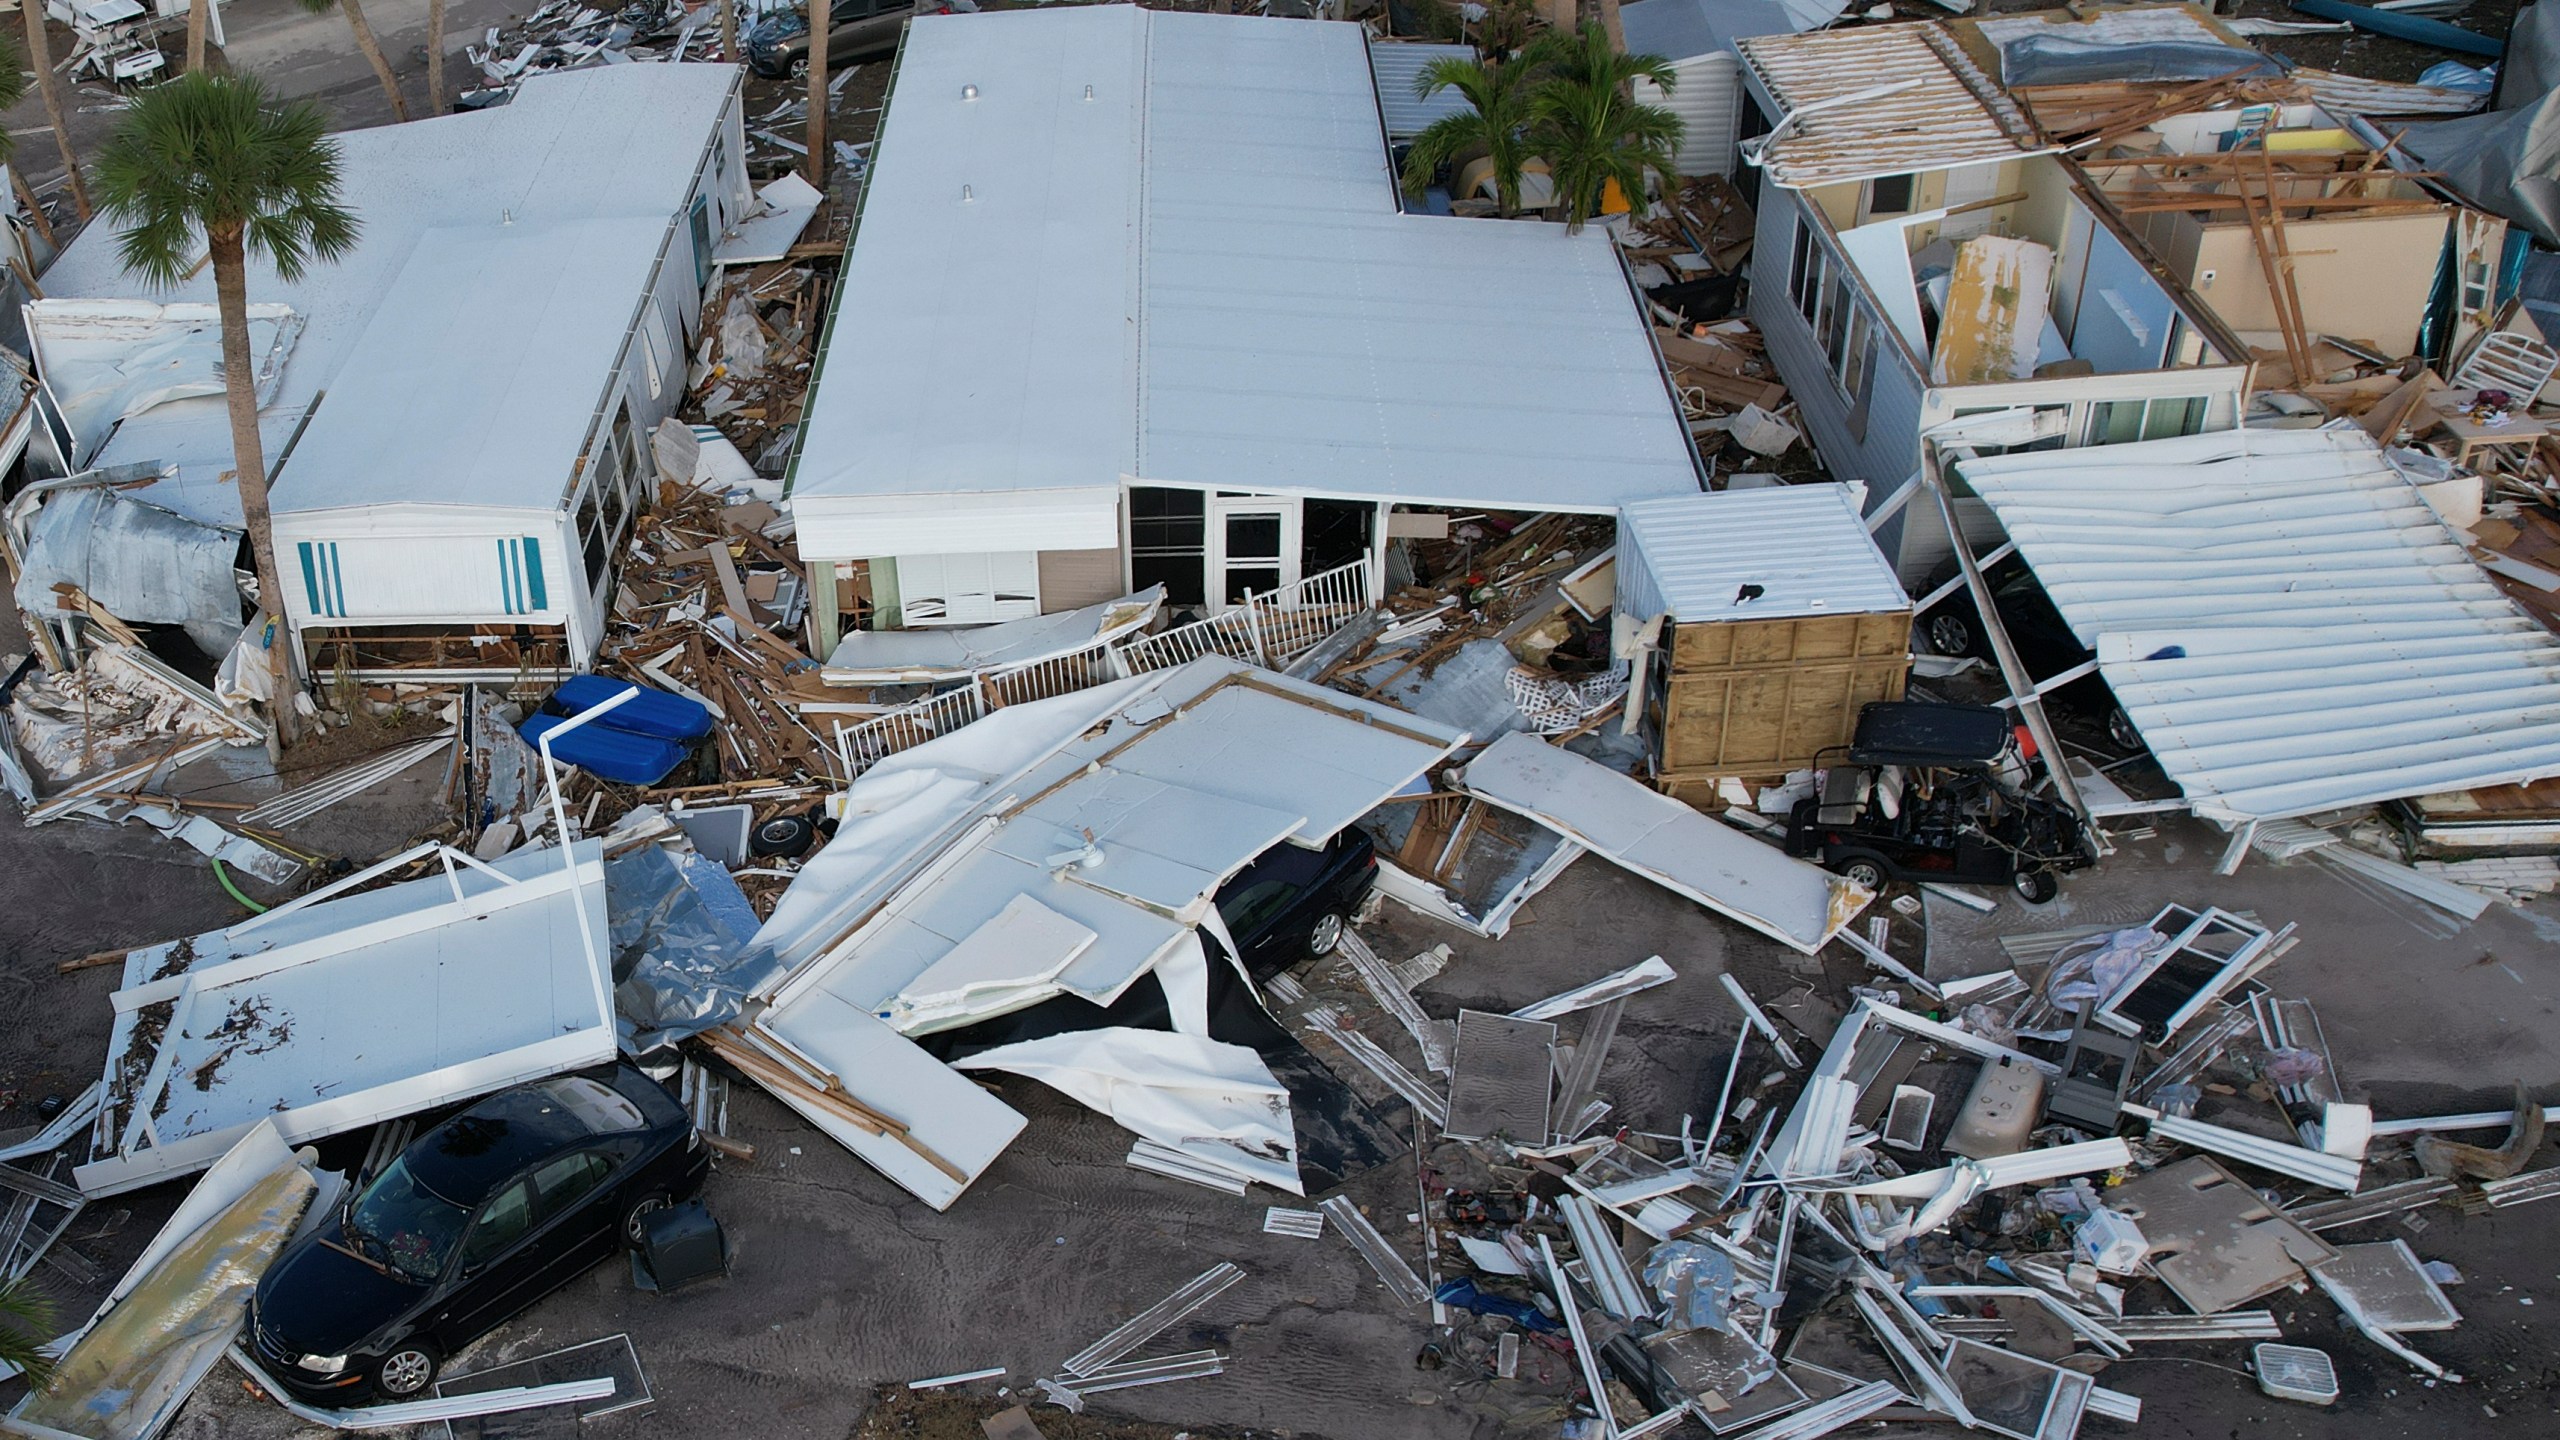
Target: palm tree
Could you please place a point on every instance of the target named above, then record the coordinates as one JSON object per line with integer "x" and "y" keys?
{"x": 1495, "y": 123}
{"x": 371, "y": 47}
{"x": 25, "y": 1318}
{"x": 40, "y": 57}
{"x": 218, "y": 157}
{"x": 1587, "y": 125}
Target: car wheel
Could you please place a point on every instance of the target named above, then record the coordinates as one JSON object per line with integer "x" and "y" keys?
{"x": 1950, "y": 634}
{"x": 2036, "y": 887}
{"x": 799, "y": 69}
{"x": 406, "y": 1371}
{"x": 1864, "y": 872}
{"x": 635, "y": 1221}
{"x": 2120, "y": 731}
{"x": 1325, "y": 936}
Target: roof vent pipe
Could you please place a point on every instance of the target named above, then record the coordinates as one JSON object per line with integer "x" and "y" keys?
{"x": 968, "y": 92}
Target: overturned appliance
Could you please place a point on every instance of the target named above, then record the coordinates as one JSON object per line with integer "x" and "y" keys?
{"x": 1927, "y": 794}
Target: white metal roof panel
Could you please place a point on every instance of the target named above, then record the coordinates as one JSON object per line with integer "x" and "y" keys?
{"x": 1224, "y": 292}
{"x": 353, "y": 1010}
{"x": 2287, "y": 622}
{"x": 1685, "y": 29}
{"x": 433, "y": 404}
{"x": 618, "y": 140}
{"x": 1664, "y": 840}
{"x": 1804, "y": 547}
{"x": 1397, "y": 66}
{"x": 1942, "y": 111}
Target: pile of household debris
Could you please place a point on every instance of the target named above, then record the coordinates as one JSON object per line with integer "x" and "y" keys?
{"x": 568, "y": 35}
{"x": 2121, "y": 1139}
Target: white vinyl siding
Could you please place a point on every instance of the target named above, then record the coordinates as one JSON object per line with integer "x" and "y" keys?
{"x": 977, "y": 589}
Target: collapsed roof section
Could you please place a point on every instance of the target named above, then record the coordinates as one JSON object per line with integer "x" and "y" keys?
{"x": 1062, "y": 847}
{"x": 337, "y": 1011}
{"x": 2284, "y": 618}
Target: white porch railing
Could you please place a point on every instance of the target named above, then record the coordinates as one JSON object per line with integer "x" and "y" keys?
{"x": 1267, "y": 630}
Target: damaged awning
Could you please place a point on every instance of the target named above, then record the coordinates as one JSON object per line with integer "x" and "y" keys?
{"x": 338, "y": 1011}
{"x": 143, "y": 564}
{"x": 1625, "y": 822}
{"x": 891, "y": 657}
{"x": 2288, "y": 623}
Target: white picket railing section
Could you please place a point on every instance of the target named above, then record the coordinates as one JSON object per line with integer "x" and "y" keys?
{"x": 1267, "y": 630}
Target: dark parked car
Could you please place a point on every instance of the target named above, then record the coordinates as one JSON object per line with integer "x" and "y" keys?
{"x": 778, "y": 47}
{"x": 1292, "y": 902}
{"x": 479, "y": 1218}
{"x": 2045, "y": 643}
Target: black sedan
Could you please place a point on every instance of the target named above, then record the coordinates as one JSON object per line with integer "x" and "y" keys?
{"x": 778, "y": 47}
{"x": 479, "y": 1218}
{"x": 1291, "y": 902}
{"x": 2044, "y": 640}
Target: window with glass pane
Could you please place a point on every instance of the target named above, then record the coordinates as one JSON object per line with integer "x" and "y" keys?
{"x": 565, "y": 1181}
{"x": 503, "y": 1221}
{"x": 1169, "y": 542}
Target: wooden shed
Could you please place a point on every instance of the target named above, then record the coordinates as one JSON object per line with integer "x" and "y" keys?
{"x": 1780, "y": 618}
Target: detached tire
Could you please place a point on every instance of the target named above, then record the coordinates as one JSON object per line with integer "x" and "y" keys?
{"x": 786, "y": 837}
{"x": 2036, "y": 887}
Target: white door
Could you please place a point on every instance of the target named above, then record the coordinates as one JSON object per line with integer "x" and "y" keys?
{"x": 1253, "y": 548}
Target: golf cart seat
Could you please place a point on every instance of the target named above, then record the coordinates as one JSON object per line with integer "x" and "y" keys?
{"x": 1844, "y": 793}
{"x": 1904, "y": 732}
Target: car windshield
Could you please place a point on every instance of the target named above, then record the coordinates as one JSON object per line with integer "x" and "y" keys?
{"x": 410, "y": 1227}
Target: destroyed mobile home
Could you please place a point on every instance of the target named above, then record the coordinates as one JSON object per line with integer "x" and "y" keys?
{"x": 1192, "y": 731}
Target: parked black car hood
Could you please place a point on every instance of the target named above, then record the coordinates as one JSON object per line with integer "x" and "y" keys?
{"x": 319, "y": 1300}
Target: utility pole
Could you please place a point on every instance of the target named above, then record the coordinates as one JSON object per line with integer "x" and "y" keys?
{"x": 818, "y": 18}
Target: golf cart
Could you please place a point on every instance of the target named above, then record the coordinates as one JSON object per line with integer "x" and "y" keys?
{"x": 1933, "y": 792}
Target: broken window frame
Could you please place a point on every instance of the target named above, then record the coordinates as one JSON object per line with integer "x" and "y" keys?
{"x": 2254, "y": 940}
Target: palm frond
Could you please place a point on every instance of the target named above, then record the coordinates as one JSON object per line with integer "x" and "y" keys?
{"x": 26, "y": 1325}
{"x": 206, "y": 154}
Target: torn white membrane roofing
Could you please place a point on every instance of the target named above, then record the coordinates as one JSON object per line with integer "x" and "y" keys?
{"x": 2287, "y": 622}
{"x": 1070, "y": 846}
{"x": 332, "y": 1013}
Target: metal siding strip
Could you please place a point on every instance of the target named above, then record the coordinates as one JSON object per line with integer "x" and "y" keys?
{"x": 310, "y": 579}
{"x": 337, "y": 581}
{"x": 536, "y": 595}
{"x": 506, "y": 580}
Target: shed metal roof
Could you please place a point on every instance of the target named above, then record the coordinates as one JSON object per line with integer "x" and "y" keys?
{"x": 1199, "y": 276}
{"x": 1398, "y": 66}
{"x": 1803, "y": 547}
{"x": 2287, "y": 622}
{"x": 1939, "y": 110}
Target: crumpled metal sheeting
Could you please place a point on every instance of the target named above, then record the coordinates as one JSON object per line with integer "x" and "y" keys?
{"x": 682, "y": 935}
{"x": 125, "y": 1376}
{"x": 85, "y": 721}
{"x": 142, "y": 564}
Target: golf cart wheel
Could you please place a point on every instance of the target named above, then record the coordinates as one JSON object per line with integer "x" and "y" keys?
{"x": 406, "y": 1371}
{"x": 1325, "y": 936}
{"x": 1864, "y": 871}
{"x": 2120, "y": 731}
{"x": 787, "y": 836}
{"x": 2036, "y": 887}
{"x": 1950, "y": 634}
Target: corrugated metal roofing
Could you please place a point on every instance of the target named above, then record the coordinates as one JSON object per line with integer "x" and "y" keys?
{"x": 1398, "y": 66}
{"x": 1804, "y": 546}
{"x": 2284, "y": 618}
{"x": 1947, "y": 113}
{"x": 1200, "y": 277}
